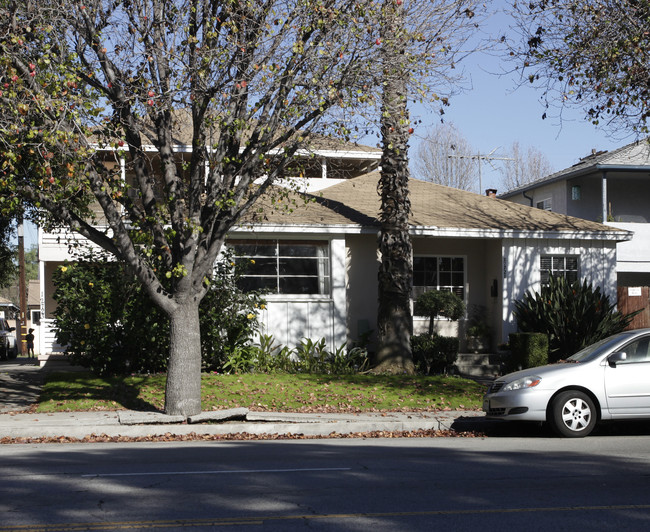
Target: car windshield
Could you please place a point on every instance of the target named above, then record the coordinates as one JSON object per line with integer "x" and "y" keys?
{"x": 595, "y": 350}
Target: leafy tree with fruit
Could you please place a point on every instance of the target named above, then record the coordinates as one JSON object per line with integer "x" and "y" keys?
{"x": 87, "y": 86}
{"x": 90, "y": 90}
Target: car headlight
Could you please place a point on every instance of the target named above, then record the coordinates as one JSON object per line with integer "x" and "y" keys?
{"x": 523, "y": 383}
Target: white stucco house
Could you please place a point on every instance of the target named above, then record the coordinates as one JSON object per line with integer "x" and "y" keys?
{"x": 612, "y": 187}
{"x": 319, "y": 260}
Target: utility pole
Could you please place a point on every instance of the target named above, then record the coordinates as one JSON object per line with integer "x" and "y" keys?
{"x": 480, "y": 158}
{"x": 21, "y": 322}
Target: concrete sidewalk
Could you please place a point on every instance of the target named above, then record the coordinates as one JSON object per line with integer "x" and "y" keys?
{"x": 20, "y": 385}
{"x": 132, "y": 424}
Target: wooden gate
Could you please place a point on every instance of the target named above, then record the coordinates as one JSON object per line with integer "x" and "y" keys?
{"x": 632, "y": 298}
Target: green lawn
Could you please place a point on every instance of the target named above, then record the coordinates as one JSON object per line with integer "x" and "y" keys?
{"x": 65, "y": 392}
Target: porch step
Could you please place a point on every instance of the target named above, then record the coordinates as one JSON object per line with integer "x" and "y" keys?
{"x": 478, "y": 364}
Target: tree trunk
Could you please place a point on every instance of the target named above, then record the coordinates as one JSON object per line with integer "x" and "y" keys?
{"x": 183, "y": 390}
{"x": 394, "y": 320}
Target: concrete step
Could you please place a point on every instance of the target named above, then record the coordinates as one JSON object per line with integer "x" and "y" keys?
{"x": 478, "y": 358}
{"x": 481, "y": 370}
{"x": 478, "y": 364}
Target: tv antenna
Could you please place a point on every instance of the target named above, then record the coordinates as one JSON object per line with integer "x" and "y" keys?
{"x": 480, "y": 157}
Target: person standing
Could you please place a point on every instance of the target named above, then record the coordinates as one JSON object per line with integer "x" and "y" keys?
{"x": 30, "y": 343}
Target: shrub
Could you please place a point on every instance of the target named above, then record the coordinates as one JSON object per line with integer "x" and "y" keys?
{"x": 100, "y": 319}
{"x": 434, "y": 354}
{"x": 308, "y": 357}
{"x": 527, "y": 350}
{"x": 110, "y": 325}
{"x": 573, "y": 315}
{"x": 229, "y": 318}
{"x": 435, "y": 303}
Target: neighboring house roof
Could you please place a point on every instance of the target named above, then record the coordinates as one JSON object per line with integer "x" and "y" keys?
{"x": 434, "y": 207}
{"x": 7, "y": 304}
{"x": 634, "y": 156}
{"x": 182, "y": 135}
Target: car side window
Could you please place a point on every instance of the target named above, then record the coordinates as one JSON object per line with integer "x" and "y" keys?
{"x": 637, "y": 351}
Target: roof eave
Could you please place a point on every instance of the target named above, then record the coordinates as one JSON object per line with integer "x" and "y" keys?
{"x": 576, "y": 173}
{"x": 616, "y": 236}
{"x": 446, "y": 232}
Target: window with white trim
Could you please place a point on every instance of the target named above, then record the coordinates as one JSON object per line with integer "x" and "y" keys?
{"x": 560, "y": 266}
{"x": 545, "y": 204}
{"x": 284, "y": 266}
{"x": 438, "y": 273}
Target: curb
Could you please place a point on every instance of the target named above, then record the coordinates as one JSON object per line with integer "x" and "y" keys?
{"x": 132, "y": 424}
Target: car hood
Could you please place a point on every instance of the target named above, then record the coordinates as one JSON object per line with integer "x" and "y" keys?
{"x": 554, "y": 370}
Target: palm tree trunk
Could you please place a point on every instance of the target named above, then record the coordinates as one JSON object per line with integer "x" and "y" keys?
{"x": 394, "y": 320}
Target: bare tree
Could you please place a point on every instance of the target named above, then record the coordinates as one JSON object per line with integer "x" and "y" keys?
{"x": 444, "y": 156}
{"x": 521, "y": 167}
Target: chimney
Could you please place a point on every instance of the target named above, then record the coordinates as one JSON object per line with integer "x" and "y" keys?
{"x": 491, "y": 192}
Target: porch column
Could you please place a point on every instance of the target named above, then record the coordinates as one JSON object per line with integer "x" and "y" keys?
{"x": 604, "y": 196}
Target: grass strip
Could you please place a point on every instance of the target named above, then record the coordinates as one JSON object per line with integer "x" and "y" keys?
{"x": 65, "y": 392}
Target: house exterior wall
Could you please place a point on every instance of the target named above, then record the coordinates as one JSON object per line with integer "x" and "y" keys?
{"x": 633, "y": 256}
{"x": 555, "y": 192}
{"x": 521, "y": 268}
{"x": 589, "y": 206}
{"x": 362, "y": 263}
{"x": 482, "y": 267}
{"x": 290, "y": 319}
{"x": 627, "y": 208}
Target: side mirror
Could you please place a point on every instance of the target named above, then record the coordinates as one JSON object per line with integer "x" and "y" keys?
{"x": 615, "y": 358}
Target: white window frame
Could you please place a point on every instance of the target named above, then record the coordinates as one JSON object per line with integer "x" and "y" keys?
{"x": 324, "y": 266}
{"x": 559, "y": 267}
{"x": 545, "y": 204}
{"x": 438, "y": 285}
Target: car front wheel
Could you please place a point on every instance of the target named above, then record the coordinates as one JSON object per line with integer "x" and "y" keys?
{"x": 573, "y": 414}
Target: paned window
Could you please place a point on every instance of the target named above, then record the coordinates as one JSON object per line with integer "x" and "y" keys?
{"x": 284, "y": 266}
{"x": 439, "y": 273}
{"x": 545, "y": 204}
{"x": 559, "y": 265}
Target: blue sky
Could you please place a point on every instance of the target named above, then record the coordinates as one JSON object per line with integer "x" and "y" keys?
{"x": 494, "y": 113}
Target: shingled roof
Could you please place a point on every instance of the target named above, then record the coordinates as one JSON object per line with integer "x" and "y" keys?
{"x": 634, "y": 156}
{"x": 356, "y": 202}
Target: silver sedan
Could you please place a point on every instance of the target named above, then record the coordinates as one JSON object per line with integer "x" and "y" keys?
{"x": 606, "y": 381}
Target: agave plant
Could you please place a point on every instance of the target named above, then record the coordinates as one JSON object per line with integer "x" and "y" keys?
{"x": 573, "y": 315}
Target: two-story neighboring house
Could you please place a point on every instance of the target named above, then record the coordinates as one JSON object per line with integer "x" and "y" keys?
{"x": 612, "y": 187}
{"x": 319, "y": 261}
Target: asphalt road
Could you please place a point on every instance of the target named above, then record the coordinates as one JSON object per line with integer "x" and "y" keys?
{"x": 494, "y": 483}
